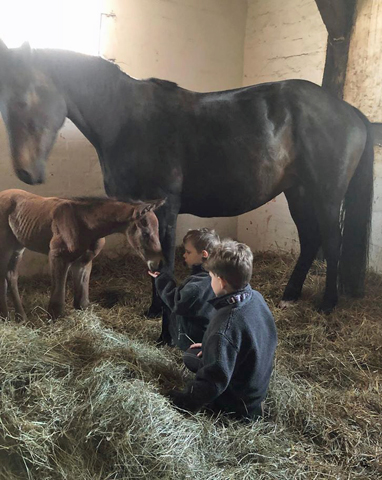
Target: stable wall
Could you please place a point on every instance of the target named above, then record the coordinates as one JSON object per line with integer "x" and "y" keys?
{"x": 288, "y": 40}
{"x": 196, "y": 43}
{"x": 283, "y": 40}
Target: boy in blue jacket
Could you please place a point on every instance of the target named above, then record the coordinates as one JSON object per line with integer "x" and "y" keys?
{"x": 190, "y": 310}
{"x": 234, "y": 362}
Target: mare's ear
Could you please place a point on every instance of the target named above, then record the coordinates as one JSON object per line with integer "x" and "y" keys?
{"x": 3, "y": 49}
{"x": 145, "y": 207}
{"x": 26, "y": 52}
{"x": 4, "y": 61}
{"x": 66, "y": 224}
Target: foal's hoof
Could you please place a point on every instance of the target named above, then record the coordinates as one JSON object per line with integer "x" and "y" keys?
{"x": 284, "y": 304}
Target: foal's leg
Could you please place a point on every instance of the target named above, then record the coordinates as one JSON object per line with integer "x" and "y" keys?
{"x": 5, "y": 256}
{"x": 59, "y": 267}
{"x": 304, "y": 216}
{"x": 81, "y": 270}
{"x": 12, "y": 277}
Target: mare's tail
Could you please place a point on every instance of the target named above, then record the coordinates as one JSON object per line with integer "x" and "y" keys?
{"x": 356, "y": 221}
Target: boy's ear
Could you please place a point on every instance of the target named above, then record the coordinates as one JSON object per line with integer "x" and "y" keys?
{"x": 224, "y": 283}
{"x": 204, "y": 254}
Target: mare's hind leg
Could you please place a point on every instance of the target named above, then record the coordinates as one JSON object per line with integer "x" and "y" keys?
{"x": 303, "y": 214}
{"x": 328, "y": 214}
{"x": 81, "y": 270}
{"x": 12, "y": 277}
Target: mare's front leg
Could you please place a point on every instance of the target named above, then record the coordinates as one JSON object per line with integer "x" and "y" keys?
{"x": 81, "y": 270}
{"x": 167, "y": 217}
{"x": 167, "y": 231}
{"x": 59, "y": 267}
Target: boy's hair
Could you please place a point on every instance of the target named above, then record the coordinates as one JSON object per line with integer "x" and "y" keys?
{"x": 202, "y": 239}
{"x": 233, "y": 262}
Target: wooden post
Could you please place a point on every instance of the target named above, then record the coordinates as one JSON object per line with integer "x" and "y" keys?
{"x": 338, "y": 17}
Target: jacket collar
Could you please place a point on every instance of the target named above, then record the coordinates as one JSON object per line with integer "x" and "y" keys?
{"x": 197, "y": 269}
{"x": 231, "y": 298}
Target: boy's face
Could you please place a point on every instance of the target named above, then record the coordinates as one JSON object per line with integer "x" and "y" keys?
{"x": 191, "y": 256}
{"x": 218, "y": 285}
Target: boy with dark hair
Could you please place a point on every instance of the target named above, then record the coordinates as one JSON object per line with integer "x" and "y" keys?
{"x": 190, "y": 310}
{"x": 234, "y": 363}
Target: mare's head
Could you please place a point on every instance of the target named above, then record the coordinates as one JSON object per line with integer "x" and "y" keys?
{"x": 33, "y": 111}
{"x": 143, "y": 233}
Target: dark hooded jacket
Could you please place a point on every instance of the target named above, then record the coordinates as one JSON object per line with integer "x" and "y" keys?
{"x": 238, "y": 350}
{"x": 189, "y": 305}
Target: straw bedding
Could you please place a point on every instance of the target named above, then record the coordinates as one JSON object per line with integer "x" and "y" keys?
{"x": 83, "y": 398}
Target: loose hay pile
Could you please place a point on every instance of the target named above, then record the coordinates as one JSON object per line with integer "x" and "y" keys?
{"x": 81, "y": 399}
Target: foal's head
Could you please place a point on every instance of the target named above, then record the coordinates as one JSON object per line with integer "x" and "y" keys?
{"x": 143, "y": 233}
{"x": 33, "y": 111}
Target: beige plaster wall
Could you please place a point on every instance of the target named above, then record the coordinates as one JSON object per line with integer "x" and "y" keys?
{"x": 196, "y": 43}
{"x": 283, "y": 40}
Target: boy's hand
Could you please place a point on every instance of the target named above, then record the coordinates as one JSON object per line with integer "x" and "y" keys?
{"x": 197, "y": 345}
{"x": 153, "y": 274}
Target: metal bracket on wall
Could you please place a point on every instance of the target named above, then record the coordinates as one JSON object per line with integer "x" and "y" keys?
{"x": 101, "y": 19}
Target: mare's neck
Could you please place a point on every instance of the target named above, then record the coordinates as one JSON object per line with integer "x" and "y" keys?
{"x": 97, "y": 92}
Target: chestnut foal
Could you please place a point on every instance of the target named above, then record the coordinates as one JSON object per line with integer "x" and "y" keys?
{"x": 71, "y": 232}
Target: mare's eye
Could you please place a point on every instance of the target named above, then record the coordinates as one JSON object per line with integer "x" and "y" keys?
{"x": 20, "y": 105}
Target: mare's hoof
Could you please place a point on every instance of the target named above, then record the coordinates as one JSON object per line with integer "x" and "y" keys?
{"x": 153, "y": 312}
{"x": 163, "y": 342}
{"x": 327, "y": 307}
{"x": 55, "y": 312}
{"x": 78, "y": 306}
{"x": 284, "y": 304}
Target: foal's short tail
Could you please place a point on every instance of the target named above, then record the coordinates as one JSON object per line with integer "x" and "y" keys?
{"x": 356, "y": 221}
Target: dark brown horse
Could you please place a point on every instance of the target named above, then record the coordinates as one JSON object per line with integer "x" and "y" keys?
{"x": 71, "y": 232}
{"x": 211, "y": 154}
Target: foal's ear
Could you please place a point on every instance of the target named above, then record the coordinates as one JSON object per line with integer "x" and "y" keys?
{"x": 145, "y": 207}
